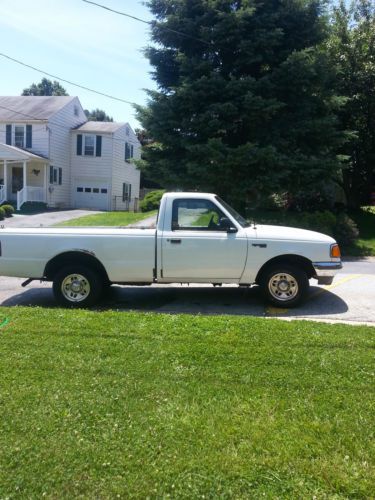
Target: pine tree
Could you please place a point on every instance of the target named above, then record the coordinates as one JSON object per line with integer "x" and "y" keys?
{"x": 244, "y": 101}
{"x": 352, "y": 51}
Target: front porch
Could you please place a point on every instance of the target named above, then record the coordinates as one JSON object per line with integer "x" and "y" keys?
{"x": 23, "y": 176}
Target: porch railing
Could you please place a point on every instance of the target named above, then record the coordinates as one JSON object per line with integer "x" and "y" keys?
{"x": 2, "y": 193}
{"x": 30, "y": 193}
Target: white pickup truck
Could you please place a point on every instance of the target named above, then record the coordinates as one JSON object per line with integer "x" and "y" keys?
{"x": 198, "y": 239}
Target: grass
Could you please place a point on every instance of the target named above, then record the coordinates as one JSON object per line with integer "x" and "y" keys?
{"x": 110, "y": 404}
{"x": 365, "y": 220}
{"x": 108, "y": 219}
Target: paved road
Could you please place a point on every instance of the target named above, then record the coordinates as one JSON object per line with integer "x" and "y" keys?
{"x": 45, "y": 218}
{"x": 349, "y": 299}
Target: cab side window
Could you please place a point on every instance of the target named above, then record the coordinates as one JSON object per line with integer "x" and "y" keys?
{"x": 196, "y": 215}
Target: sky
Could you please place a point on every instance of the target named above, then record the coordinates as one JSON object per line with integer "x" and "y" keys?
{"x": 78, "y": 42}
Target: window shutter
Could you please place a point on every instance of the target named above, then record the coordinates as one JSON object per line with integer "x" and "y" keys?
{"x": 79, "y": 144}
{"x": 9, "y": 135}
{"x": 123, "y": 191}
{"x": 60, "y": 176}
{"x": 98, "y": 145}
{"x": 51, "y": 174}
{"x": 129, "y": 192}
{"x": 29, "y": 136}
{"x": 127, "y": 151}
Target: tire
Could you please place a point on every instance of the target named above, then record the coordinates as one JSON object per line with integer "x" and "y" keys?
{"x": 284, "y": 285}
{"x": 77, "y": 286}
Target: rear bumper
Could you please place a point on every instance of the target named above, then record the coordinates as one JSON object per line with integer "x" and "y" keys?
{"x": 326, "y": 271}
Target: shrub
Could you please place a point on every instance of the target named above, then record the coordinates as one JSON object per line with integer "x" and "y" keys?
{"x": 340, "y": 226}
{"x": 151, "y": 201}
{"x": 2, "y": 213}
{"x": 8, "y": 210}
{"x": 345, "y": 230}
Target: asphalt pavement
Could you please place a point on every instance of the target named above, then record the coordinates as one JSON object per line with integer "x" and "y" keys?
{"x": 350, "y": 298}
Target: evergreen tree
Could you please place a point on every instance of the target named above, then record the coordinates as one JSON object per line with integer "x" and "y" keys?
{"x": 45, "y": 87}
{"x": 244, "y": 101}
{"x": 352, "y": 49}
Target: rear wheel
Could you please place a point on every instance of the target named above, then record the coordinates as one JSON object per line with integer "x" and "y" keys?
{"x": 77, "y": 286}
{"x": 284, "y": 286}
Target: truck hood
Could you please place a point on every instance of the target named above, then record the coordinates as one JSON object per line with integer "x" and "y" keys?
{"x": 290, "y": 233}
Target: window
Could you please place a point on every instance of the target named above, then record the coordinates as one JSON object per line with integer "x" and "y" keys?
{"x": 76, "y": 110}
{"x": 89, "y": 145}
{"x": 196, "y": 215}
{"x": 129, "y": 151}
{"x": 79, "y": 189}
{"x": 95, "y": 190}
{"x": 103, "y": 191}
{"x": 87, "y": 190}
{"x": 127, "y": 131}
{"x": 55, "y": 175}
{"x": 19, "y": 136}
{"x": 126, "y": 192}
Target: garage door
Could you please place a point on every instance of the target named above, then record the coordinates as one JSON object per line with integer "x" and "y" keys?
{"x": 91, "y": 194}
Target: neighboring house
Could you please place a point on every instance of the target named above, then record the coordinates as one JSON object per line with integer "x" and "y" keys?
{"x": 50, "y": 153}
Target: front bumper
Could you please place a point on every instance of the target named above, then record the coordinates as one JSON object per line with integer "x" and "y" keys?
{"x": 326, "y": 271}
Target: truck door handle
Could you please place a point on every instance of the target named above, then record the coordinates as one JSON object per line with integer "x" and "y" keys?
{"x": 175, "y": 242}
{"x": 260, "y": 245}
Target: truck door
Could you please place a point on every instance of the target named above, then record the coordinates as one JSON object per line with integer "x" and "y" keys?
{"x": 198, "y": 248}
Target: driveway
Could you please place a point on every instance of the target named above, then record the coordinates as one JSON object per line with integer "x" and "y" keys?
{"x": 349, "y": 299}
{"x": 45, "y": 219}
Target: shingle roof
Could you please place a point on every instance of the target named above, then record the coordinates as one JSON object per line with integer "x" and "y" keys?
{"x": 100, "y": 127}
{"x": 31, "y": 107}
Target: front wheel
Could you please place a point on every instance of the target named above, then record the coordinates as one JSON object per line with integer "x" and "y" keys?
{"x": 77, "y": 286}
{"x": 284, "y": 286}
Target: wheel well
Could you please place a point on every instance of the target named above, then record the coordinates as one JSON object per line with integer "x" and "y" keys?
{"x": 290, "y": 259}
{"x": 73, "y": 258}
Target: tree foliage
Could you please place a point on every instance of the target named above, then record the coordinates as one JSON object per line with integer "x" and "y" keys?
{"x": 98, "y": 115}
{"x": 45, "y": 87}
{"x": 244, "y": 102}
{"x": 352, "y": 51}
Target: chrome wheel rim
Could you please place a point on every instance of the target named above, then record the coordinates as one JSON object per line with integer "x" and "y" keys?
{"x": 283, "y": 287}
{"x": 75, "y": 288}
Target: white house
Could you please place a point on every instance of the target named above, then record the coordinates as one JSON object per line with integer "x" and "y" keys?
{"x": 49, "y": 152}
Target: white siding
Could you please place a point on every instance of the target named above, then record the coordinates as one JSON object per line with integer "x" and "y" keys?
{"x": 39, "y": 136}
{"x": 90, "y": 168}
{"x": 123, "y": 171}
{"x": 60, "y": 126}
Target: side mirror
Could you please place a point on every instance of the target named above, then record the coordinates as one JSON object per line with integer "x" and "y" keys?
{"x": 226, "y": 225}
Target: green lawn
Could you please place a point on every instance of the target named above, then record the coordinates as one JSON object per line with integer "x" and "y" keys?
{"x": 109, "y": 404}
{"x": 365, "y": 220}
{"x": 107, "y": 219}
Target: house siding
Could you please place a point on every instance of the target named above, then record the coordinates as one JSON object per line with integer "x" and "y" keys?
{"x": 123, "y": 171}
{"x": 40, "y": 136}
{"x": 60, "y": 125}
{"x": 91, "y": 168}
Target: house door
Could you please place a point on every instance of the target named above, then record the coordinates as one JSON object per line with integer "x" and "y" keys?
{"x": 17, "y": 180}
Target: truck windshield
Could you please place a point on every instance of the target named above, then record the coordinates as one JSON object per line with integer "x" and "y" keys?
{"x": 241, "y": 221}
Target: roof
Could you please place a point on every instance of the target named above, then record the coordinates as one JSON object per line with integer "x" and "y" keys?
{"x": 24, "y": 108}
{"x": 13, "y": 153}
{"x": 108, "y": 127}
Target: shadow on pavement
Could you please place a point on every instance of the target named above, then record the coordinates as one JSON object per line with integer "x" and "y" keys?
{"x": 194, "y": 300}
